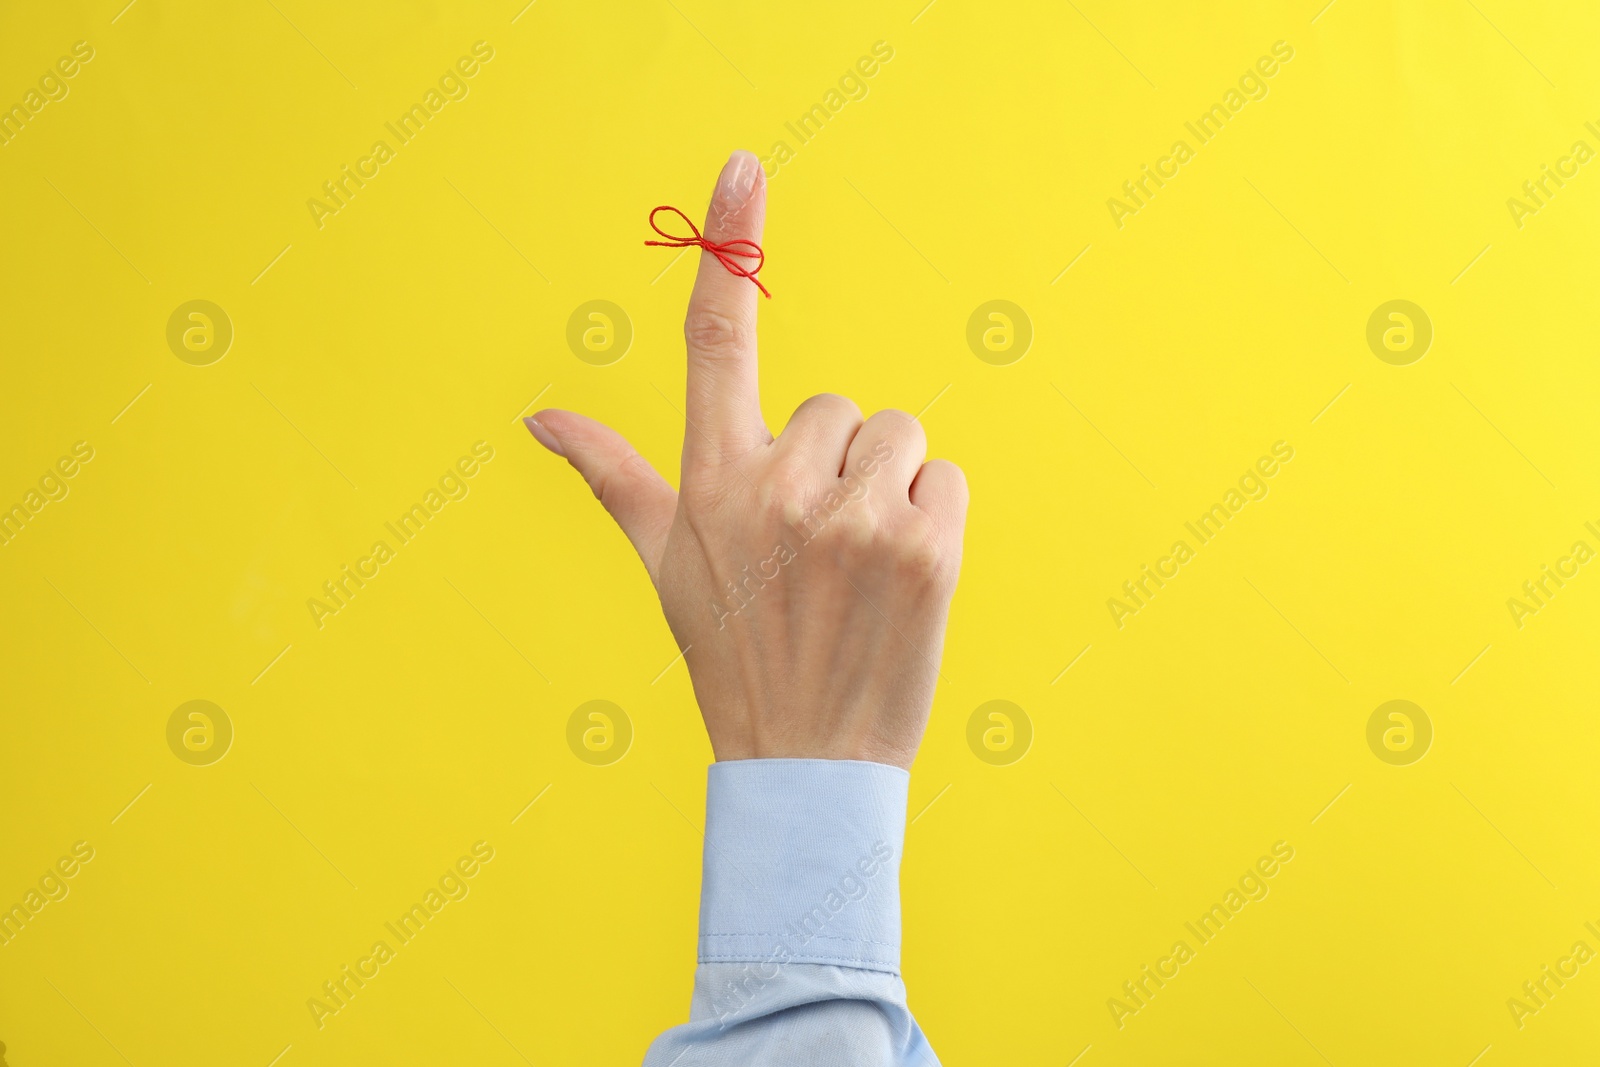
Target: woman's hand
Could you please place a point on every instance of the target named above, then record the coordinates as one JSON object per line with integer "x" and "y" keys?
{"x": 807, "y": 578}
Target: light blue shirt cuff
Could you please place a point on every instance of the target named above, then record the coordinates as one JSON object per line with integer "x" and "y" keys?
{"x": 802, "y": 863}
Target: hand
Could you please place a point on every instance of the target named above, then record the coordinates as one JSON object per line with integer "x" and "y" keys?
{"x": 807, "y": 578}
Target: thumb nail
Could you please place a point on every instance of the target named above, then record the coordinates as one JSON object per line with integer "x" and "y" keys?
{"x": 543, "y": 435}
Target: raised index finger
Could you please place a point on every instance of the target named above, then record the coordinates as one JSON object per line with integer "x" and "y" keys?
{"x": 724, "y": 398}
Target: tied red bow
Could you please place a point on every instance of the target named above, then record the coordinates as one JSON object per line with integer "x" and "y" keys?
{"x": 724, "y": 251}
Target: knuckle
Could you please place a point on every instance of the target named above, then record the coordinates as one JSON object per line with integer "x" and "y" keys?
{"x": 895, "y": 419}
{"x": 815, "y": 425}
{"x": 711, "y": 333}
{"x": 906, "y": 550}
{"x": 831, "y": 404}
{"x": 830, "y": 517}
{"x": 608, "y": 481}
{"x": 916, "y": 554}
{"x": 635, "y": 468}
{"x": 605, "y": 479}
{"x": 952, "y": 470}
{"x": 904, "y": 546}
{"x": 952, "y": 482}
{"x": 898, "y": 427}
{"x": 783, "y": 491}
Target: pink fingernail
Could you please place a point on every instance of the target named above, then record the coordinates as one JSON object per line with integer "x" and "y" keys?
{"x": 543, "y": 435}
{"x": 739, "y": 176}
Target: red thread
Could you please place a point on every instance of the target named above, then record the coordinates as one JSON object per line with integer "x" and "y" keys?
{"x": 723, "y": 251}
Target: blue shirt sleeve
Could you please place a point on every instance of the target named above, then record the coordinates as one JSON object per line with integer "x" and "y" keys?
{"x": 799, "y": 952}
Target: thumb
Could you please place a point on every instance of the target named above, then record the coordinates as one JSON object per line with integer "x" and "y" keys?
{"x": 637, "y": 497}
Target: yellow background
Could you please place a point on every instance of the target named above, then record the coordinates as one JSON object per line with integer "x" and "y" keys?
{"x": 428, "y": 314}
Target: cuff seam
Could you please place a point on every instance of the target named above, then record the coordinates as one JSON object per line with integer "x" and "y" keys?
{"x": 863, "y": 963}
{"x": 816, "y": 937}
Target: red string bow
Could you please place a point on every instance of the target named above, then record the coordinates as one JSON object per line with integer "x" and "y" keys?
{"x": 724, "y": 251}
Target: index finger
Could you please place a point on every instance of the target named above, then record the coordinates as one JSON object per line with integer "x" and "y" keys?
{"x": 724, "y": 397}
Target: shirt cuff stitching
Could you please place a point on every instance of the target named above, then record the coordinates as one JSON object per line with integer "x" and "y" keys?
{"x": 860, "y": 962}
{"x": 814, "y": 937}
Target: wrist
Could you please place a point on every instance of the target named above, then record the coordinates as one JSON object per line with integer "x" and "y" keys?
{"x": 837, "y": 748}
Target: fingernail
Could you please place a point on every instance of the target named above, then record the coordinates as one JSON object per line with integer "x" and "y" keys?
{"x": 543, "y": 435}
{"x": 739, "y": 175}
